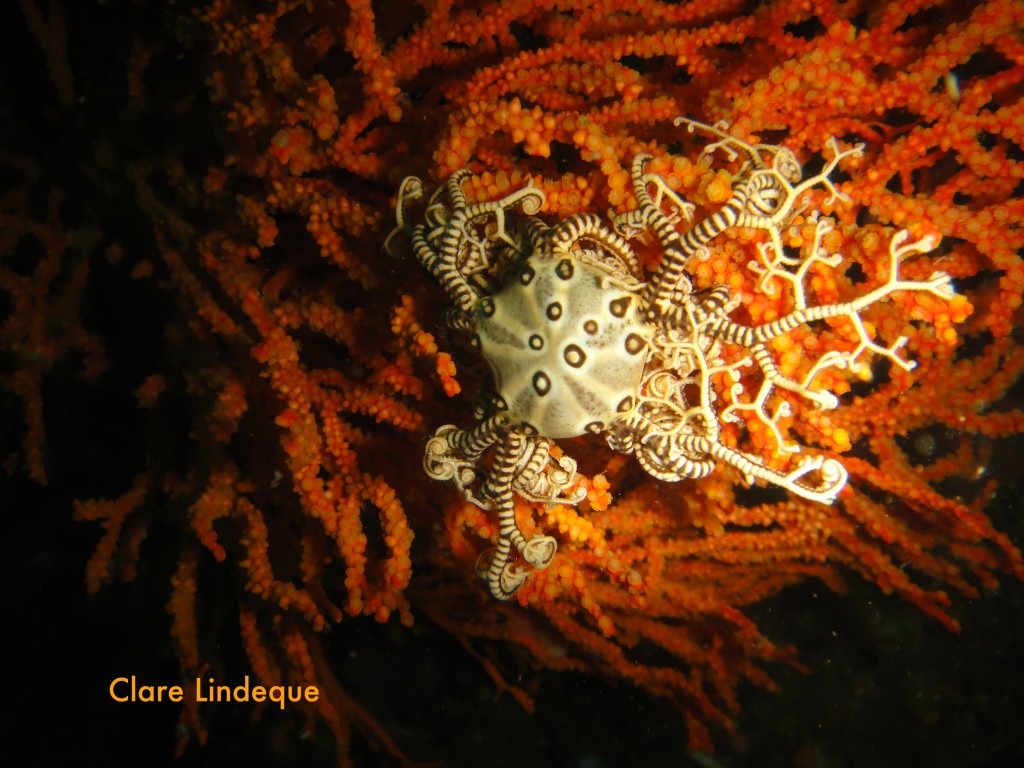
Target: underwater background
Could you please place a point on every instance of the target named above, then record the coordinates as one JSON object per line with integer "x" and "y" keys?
{"x": 215, "y": 389}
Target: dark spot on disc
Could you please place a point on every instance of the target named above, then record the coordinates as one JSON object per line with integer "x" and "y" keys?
{"x": 554, "y": 310}
{"x": 574, "y": 356}
{"x": 541, "y": 383}
{"x": 619, "y": 307}
{"x": 564, "y": 269}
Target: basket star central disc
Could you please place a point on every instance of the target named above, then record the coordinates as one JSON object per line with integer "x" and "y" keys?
{"x": 566, "y": 346}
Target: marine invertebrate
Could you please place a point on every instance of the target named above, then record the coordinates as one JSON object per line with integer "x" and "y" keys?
{"x": 576, "y": 342}
{"x": 39, "y": 327}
